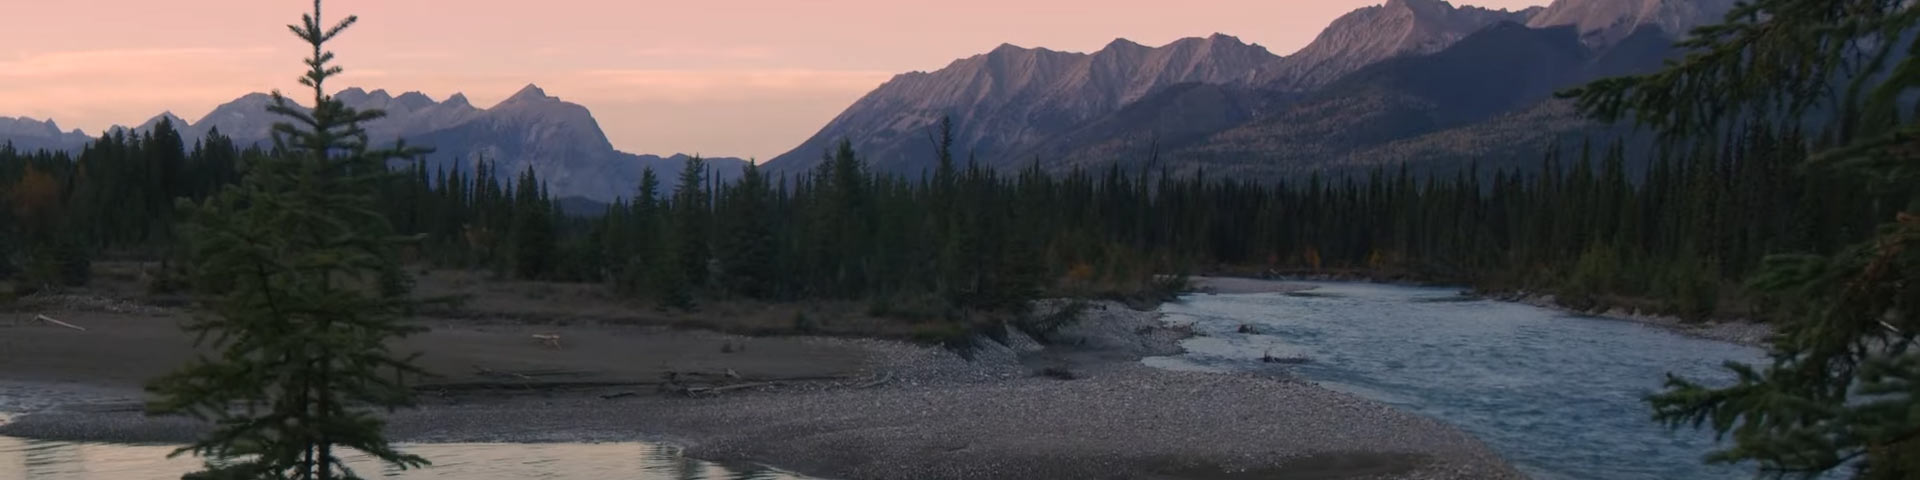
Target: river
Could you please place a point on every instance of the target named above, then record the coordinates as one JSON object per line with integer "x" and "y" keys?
{"x": 1558, "y": 395}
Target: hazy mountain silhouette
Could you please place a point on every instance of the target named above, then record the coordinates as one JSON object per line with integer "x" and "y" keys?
{"x": 28, "y": 134}
{"x": 560, "y": 140}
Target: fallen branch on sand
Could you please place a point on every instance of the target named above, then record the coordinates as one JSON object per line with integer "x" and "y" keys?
{"x": 675, "y": 375}
{"x": 698, "y": 391}
{"x": 551, "y": 340}
{"x": 695, "y": 384}
{"x": 486, "y": 372}
{"x": 884, "y": 378}
{"x": 48, "y": 319}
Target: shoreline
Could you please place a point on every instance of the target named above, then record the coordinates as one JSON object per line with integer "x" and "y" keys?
{"x": 910, "y": 411}
{"x": 1737, "y": 332}
{"x": 1751, "y": 334}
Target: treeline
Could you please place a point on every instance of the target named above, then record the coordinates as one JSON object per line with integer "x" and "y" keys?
{"x": 118, "y": 193}
{"x": 1679, "y": 236}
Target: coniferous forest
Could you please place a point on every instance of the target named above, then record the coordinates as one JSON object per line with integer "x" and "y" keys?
{"x": 1675, "y": 233}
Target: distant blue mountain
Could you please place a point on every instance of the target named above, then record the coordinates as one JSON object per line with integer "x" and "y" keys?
{"x": 559, "y": 140}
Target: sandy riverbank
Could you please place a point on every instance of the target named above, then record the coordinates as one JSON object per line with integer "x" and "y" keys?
{"x": 849, "y": 408}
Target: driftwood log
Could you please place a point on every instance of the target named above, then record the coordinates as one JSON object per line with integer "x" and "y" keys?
{"x": 48, "y": 319}
{"x": 551, "y": 340}
{"x": 882, "y": 380}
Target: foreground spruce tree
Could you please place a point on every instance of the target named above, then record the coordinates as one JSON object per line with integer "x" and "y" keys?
{"x": 1843, "y": 388}
{"x": 296, "y": 265}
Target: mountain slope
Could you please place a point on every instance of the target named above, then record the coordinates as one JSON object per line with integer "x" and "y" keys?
{"x": 1422, "y": 108}
{"x": 1372, "y": 34}
{"x": 1171, "y": 119}
{"x": 1008, "y": 101}
{"x": 1605, "y": 22}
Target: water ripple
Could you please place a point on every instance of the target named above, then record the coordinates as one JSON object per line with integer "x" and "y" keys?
{"x": 1558, "y": 395}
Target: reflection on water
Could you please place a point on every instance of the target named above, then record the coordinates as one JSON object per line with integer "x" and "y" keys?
{"x": 22, "y": 459}
{"x": 1557, "y": 395}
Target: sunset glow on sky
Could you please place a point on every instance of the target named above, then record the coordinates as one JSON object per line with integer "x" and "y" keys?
{"x": 719, "y": 77}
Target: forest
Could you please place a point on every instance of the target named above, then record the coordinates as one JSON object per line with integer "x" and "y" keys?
{"x": 1677, "y": 239}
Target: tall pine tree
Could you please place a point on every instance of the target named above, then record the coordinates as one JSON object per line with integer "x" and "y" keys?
{"x": 296, "y": 265}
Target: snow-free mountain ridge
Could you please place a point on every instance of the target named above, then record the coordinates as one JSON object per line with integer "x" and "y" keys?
{"x": 1217, "y": 100}
{"x": 559, "y": 140}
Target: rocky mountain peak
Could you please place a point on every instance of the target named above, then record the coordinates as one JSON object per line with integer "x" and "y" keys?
{"x": 529, "y": 93}
{"x": 164, "y": 116}
{"x": 1122, "y": 44}
{"x": 458, "y": 99}
{"x": 28, "y": 126}
{"x": 1218, "y": 43}
{"x": 351, "y": 96}
{"x": 1380, "y": 32}
{"x": 1606, "y": 22}
{"x": 1009, "y": 49}
{"x": 413, "y": 100}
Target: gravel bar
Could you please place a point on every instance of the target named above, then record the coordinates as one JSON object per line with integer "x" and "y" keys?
{"x": 932, "y": 415}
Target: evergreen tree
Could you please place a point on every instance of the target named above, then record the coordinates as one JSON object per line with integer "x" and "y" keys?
{"x": 534, "y": 245}
{"x": 747, "y": 244}
{"x": 1843, "y": 389}
{"x": 679, "y": 269}
{"x": 645, "y": 231}
{"x": 293, "y": 264}
{"x": 691, "y": 209}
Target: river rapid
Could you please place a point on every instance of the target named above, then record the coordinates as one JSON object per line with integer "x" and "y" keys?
{"x": 1559, "y": 395}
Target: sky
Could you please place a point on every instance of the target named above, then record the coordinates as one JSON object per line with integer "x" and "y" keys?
{"x": 745, "y": 78}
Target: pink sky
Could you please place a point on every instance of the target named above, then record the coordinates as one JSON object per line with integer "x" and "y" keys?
{"x": 717, "y": 77}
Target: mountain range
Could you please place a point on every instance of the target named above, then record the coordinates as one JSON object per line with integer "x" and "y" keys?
{"x": 1407, "y": 81}
{"x": 1422, "y": 83}
{"x": 559, "y": 140}
{"x": 29, "y": 134}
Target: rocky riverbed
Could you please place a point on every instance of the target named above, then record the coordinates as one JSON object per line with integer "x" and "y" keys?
{"x": 1078, "y": 406}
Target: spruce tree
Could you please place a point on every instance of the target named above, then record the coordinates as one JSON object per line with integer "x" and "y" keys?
{"x": 534, "y": 245}
{"x": 747, "y": 244}
{"x": 1843, "y": 388}
{"x": 295, "y": 265}
{"x": 684, "y": 270}
{"x": 644, "y": 230}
